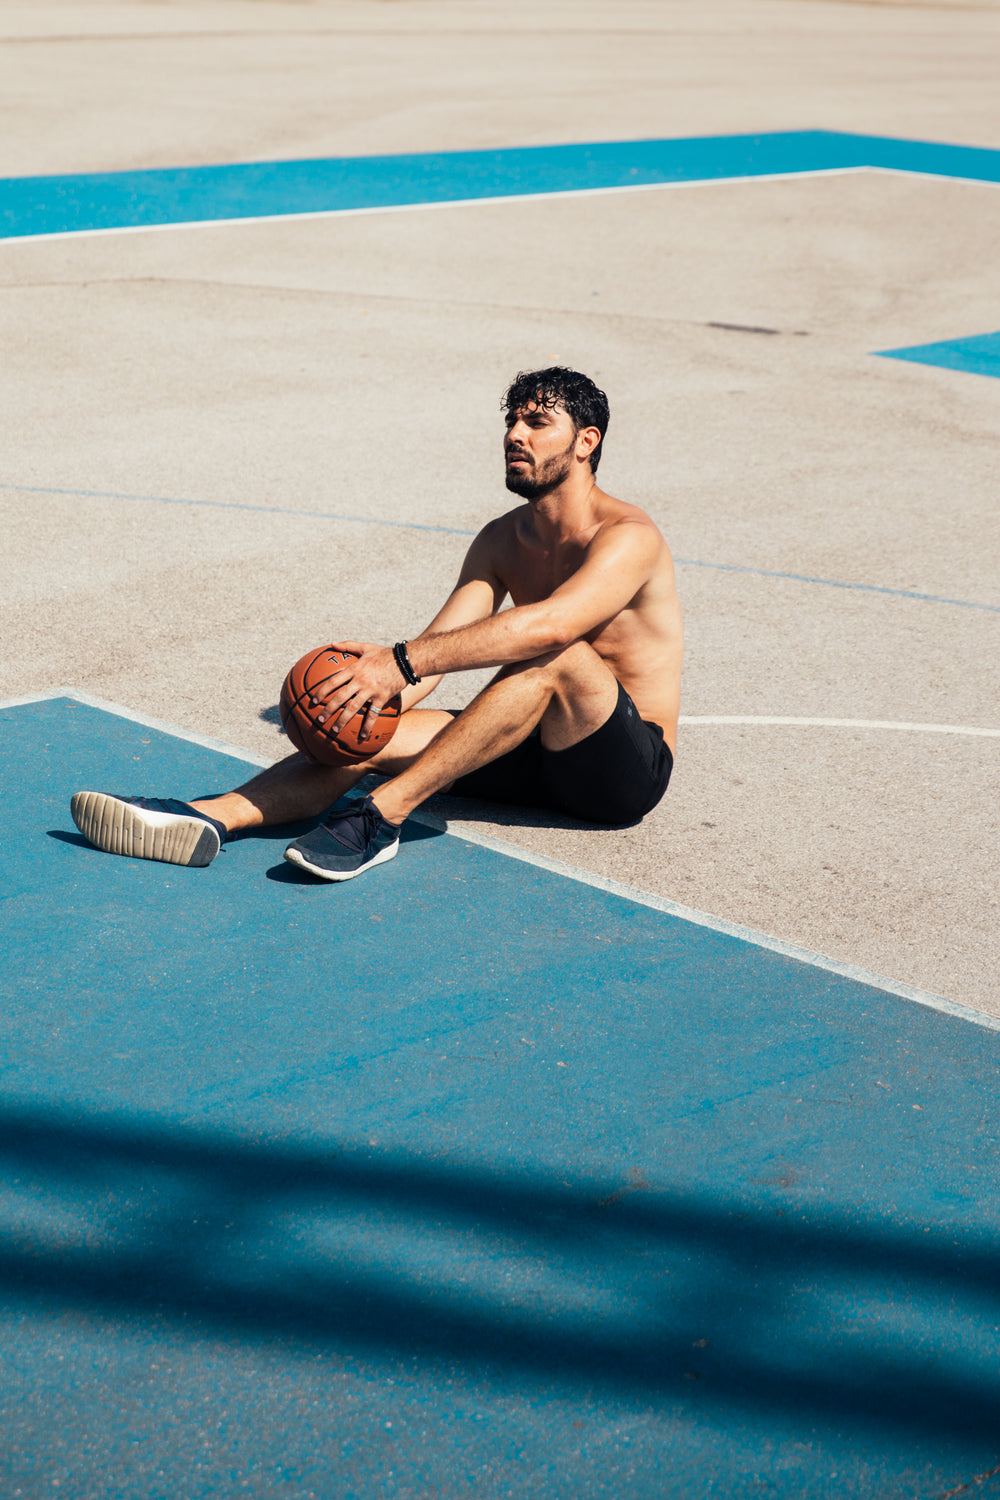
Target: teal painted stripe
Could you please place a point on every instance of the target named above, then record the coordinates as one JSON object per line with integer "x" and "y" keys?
{"x": 50, "y": 205}
{"x": 976, "y": 356}
{"x": 89, "y": 201}
{"x": 934, "y": 158}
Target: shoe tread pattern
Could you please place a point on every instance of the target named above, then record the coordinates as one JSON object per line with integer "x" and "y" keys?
{"x": 116, "y": 827}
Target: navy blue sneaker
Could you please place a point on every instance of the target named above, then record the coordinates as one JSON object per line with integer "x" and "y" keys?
{"x": 346, "y": 843}
{"x": 148, "y": 828}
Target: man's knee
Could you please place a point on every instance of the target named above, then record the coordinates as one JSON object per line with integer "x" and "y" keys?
{"x": 580, "y": 656}
{"x": 563, "y": 664}
{"x": 577, "y": 666}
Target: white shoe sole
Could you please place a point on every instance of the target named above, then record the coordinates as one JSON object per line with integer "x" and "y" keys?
{"x": 119, "y": 828}
{"x": 295, "y": 858}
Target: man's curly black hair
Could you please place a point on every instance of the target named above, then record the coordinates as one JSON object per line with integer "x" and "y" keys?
{"x": 584, "y": 403}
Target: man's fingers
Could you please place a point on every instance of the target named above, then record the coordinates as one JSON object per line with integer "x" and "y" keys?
{"x": 330, "y": 709}
{"x": 330, "y": 687}
{"x": 358, "y": 703}
{"x": 371, "y": 714}
{"x": 342, "y": 706}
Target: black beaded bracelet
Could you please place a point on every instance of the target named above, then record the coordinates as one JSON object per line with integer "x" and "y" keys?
{"x": 401, "y": 654}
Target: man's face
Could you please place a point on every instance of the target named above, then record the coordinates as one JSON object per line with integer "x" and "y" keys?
{"x": 539, "y": 449}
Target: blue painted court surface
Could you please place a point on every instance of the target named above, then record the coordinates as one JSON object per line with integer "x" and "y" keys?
{"x": 463, "y": 1179}
{"x": 85, "y": 202}
{"x": 976, "y": 356}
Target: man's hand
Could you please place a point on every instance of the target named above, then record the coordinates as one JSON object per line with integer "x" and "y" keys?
{"x": 367, "y": 683}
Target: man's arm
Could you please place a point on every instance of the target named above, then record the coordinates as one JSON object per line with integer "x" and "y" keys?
{"x": 477, "y": 594}
{"x": 619, "y": 561}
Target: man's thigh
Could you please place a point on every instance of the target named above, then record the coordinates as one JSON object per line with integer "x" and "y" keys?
{"x": 614, "y": 775}
{"x": 415, "y": 731}
{"x": 617, "y": 774}
{"x": 585, "y": 697}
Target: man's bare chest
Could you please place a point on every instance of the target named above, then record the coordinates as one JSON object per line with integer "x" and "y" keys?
{"x": 533, "y": 575}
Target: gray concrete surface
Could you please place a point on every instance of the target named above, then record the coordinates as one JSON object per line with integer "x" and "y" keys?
{"x": 353, "y": 367}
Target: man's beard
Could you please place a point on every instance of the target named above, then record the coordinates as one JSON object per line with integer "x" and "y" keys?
{"x": 538, "y": 482}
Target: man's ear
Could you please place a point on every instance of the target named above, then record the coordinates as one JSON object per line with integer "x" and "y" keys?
{"x": 587, "y": 440}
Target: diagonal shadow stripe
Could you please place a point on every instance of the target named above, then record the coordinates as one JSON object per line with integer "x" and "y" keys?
{"x": 813, "y": 1312}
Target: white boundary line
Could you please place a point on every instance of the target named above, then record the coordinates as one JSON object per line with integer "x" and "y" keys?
{"x": 695, "y": 719}
{"x": 556, "y": 867}
{"x": 986, "y": 182}
{"x": 395, "y": 208}
{"x": 717, "y": 924}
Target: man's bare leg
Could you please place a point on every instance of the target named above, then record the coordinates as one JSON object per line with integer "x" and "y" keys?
{"x": 295, "y": 788}
{"x": 192, "y": 833}
{"x": 571, "y": 693}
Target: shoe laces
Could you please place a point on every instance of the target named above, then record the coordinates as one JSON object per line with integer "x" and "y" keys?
{"x": 356, "y": 827}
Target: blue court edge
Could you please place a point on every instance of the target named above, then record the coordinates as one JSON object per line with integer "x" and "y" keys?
{"x": 979, "y": 355}
{"x": 462, "y": 1179}
{"x": 89, "y": 201}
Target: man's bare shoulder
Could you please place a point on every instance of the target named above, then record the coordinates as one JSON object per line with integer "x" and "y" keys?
{"x": 628, "y": 524}
{"x": 612, "y": 510}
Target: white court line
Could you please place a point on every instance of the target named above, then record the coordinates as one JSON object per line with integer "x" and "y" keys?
{"x": 396, "y": 208}
{"x": 569, "y": 872}
{"x": 988, "y": 182}
{"x": 837, "y": 724}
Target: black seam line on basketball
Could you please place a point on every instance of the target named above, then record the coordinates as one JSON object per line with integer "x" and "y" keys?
{"x": 325, "y": 515}
{"x": 311, "y": 687}
{"x": 324, "y": 731}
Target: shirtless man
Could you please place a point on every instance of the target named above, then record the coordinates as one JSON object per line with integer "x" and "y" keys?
{"x": 581, "y": 717}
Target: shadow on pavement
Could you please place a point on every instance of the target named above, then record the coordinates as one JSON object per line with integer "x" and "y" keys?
{"x": 661, "y": 1294}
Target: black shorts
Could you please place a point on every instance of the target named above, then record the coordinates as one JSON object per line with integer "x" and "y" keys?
{"x": 616, "y": 775}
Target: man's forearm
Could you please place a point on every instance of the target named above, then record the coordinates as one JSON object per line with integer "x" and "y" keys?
{"x": 379, "y": 672}
{"x": 518, "y": 634}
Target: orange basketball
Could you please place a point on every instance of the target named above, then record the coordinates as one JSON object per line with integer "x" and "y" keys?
{"x": 301, "y": 723}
